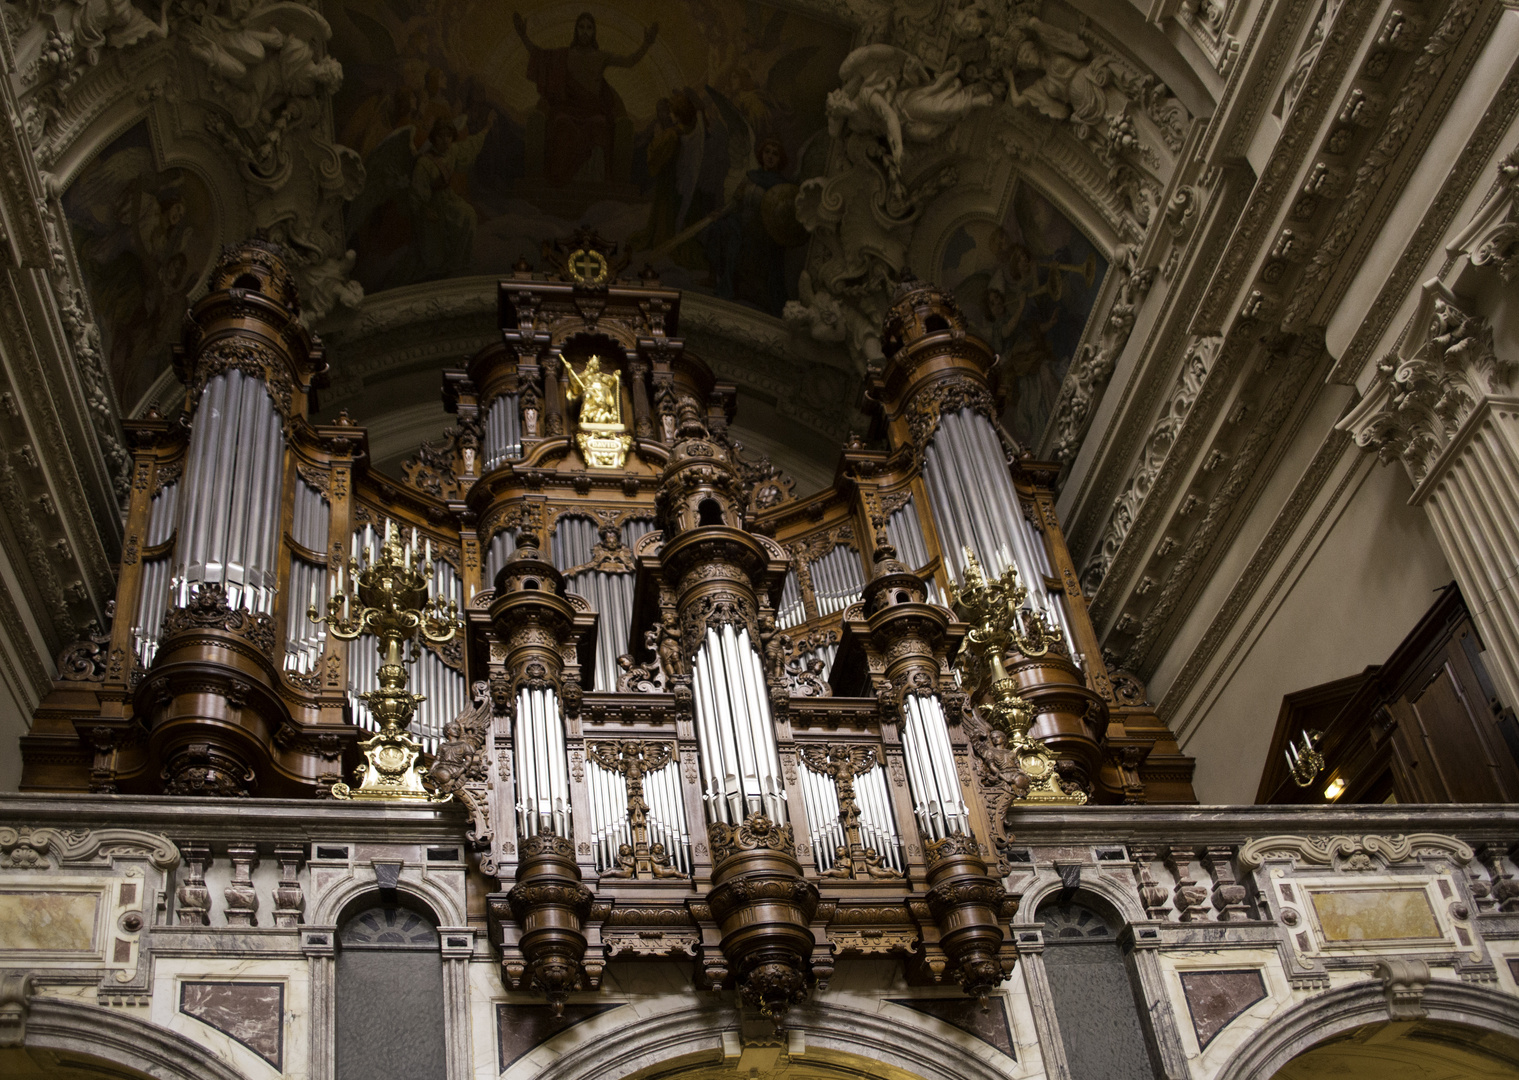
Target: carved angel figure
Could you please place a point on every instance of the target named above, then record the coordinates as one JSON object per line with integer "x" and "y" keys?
{"x": 671, "y": 656}
{"x": 809, "y": 679}
{"x": 262, "y": 59}
{"x": 888, "y": 92}
{"x": 600, "y": 392}
{"x": 1067, "y": 87}
{"x": 114, "y": 23}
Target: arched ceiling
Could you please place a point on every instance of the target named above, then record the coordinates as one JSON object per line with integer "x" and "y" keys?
{"x": 783, "y": 163}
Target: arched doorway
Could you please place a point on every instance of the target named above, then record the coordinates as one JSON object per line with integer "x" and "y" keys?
{"x": 1443, "y": 1029}
{"x": 821, "y": 1041}
{"x": 1093, "y": 991}
{"x": 390, "y": 1022}
{"x": 69, "y": 1040}
{"x": 1412, "y": 1051}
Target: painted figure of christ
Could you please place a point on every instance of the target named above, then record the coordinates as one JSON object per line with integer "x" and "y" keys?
{"x": 580, "y": 108}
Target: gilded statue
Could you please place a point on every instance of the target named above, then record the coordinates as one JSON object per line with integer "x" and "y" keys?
{"x": 600, "y": 393}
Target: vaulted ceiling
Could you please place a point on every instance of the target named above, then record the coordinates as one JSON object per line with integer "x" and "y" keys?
{"x": 784, "y": 164}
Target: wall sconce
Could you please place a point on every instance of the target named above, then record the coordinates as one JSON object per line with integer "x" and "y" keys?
{"x": 1304, "y": 759}
{"x": 1335, "y": 789}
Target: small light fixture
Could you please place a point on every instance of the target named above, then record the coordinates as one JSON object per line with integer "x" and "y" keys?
{"x": 1335, "y": 789}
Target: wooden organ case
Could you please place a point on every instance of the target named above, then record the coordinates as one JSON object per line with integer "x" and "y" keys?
{"x": 691, "y": 715}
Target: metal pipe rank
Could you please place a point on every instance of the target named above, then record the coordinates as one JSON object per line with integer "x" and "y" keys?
{"x": 388, "y": 597}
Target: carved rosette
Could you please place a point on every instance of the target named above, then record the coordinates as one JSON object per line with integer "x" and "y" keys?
{"x": 550, "y": 906}
{"x": 970, "y": 909}
{"x": 763, "y": 908}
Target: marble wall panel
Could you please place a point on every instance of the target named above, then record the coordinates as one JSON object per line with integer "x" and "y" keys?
{"x": 521, "y": 1027}
{"x": 988, "y": 1024}
{"x": 1214, "y": 998}
{"x": 1374, "y": 914}
{"x": 218, "y": 1026}
{"x": 250, "y": 1012}
{"x": 47, "y": 921}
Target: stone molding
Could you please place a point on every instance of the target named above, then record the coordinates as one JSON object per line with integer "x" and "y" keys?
{"x": 1317, "y": 1020}
{"x": 823, "y": 1027}
{"x": 111, "y": 1037}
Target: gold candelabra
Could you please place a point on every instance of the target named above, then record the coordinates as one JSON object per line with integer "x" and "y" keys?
{"x": 1000, "y": 623}
{"x": 388, "y": 597}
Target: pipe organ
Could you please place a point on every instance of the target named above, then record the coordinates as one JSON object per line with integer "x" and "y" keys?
{"x": 691, "y": 716}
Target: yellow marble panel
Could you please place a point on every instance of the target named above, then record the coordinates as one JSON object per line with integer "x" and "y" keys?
{"x": 1375, "y": 914}
{"x": 48, "y": 921}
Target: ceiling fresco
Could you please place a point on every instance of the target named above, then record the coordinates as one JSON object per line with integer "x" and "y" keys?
{"x": 785, "y": 165}
{"x": 1028, "y": 286}
{"x": 143, "y": 239}
{"x": 680, "y": 130}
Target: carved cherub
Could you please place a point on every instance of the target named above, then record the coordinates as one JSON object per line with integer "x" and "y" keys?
{"x": 625, "y": 866}
{"x": 841, "y": 867}
{"x": 672, "y": 659}
{"x": 659, "y": 861}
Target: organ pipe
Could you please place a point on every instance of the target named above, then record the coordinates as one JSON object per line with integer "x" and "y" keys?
{"x": 931, "y": 775}
{"x": 229, "y": 521}
{"x": 153, "y": 593}
{"x": 974, "y": 503}
{"x": 543, "y": 789}
{"x": 737, "y": 737}
{"x": 503, "y": 432}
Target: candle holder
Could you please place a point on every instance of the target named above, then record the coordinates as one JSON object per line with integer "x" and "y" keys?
{"x": 1304, "y": 759}
{"x": 387, "y": 597}
{"x": 1000, "y": 623}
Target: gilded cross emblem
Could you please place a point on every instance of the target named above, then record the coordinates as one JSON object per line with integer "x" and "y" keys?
{"x": 587, "y": 268}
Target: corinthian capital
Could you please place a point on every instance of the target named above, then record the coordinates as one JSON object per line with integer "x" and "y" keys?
{"x": 1425, "y": 392}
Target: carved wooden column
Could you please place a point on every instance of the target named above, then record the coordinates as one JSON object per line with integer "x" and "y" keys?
{"x": 717, "y": 573}
{"x": 540, "y": 923}
{"x": 1447, "y": 406}
{"x": 907, "y": 642}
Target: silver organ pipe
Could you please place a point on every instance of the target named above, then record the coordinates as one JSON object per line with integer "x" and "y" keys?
{"x": 837, "y": 579}
{"x": 974, "y": 504}
{"x": 305, "y": 639}
{"x": 607, "y": 793}
{"x": 792, "y": 610}
{"x": 878, "y": 826}
{"x": 611, "y": 594}
{"x": 931, "y": 768}
{"x": 905, "y": 532}
{"x": 822, "y": 803}
{"x": 501, "y": 545}
{"x": 503, "y": 432}
{"x": 153, "y": 593}
{"x": 229, "y": 527}
{"x": 543, "y": 782}
{"x": 878, "y": 830}
{"x": 734, "y": 730}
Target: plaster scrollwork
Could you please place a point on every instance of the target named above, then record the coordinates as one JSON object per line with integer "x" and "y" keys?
{"x": 41, "y": 849}
{"x": 1352, "y": 852}
{"x": 1423, "y": 396}
{"x": 920, "y": 94}
{"x": 252, "y": 74}
{"x": 1492, "y": 236}
{"x": 1152, "y": 456}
